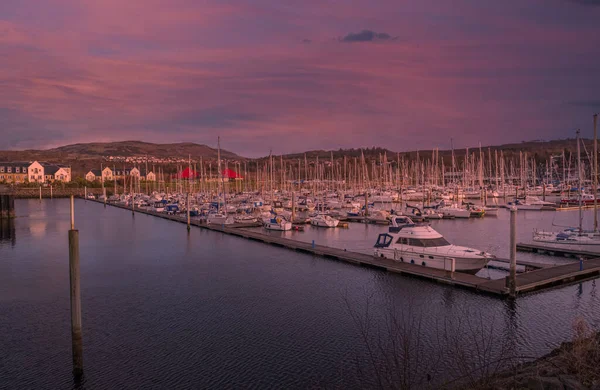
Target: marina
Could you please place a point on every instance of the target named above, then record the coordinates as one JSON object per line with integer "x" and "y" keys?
{"x": 543, "y": 276}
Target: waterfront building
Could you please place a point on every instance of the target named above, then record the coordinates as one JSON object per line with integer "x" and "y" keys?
{"x": 13, "y": 172}
{"x": 93, "y": 175}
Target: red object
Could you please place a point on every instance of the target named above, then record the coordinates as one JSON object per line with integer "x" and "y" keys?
{"x": 187, "y": 173}
{"x": 231, "y": 174}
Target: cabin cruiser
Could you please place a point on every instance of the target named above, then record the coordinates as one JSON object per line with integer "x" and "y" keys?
{"x": 277, "y": 223}
{"x": 216, "y": 218}
{"x": 324, "y": 220}
{"x": 422, "y": 245}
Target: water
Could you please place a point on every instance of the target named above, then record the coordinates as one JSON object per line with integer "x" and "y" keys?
{"x": 164, "y": 309}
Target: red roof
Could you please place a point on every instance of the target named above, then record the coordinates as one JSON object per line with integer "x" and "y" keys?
{"x": 187, "y": 173}
{"x": 231, "y": 174}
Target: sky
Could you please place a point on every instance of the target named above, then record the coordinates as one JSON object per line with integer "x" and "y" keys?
{"x": 291, "y": 76}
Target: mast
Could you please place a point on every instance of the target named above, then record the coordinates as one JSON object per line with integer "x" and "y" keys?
{"x": 595, "y": 172}
{"x": 579, "y": 183}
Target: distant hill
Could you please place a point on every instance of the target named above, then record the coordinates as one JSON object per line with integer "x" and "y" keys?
{"x": 83, "y": 157}
{"x": 124, "y": 149}
{"x": 540, "y": 150}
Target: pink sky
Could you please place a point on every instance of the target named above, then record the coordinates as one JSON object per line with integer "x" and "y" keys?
{"x": 287, "y": 76}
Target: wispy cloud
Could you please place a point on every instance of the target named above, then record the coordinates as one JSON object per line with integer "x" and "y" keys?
{"x": 367, "y": 36}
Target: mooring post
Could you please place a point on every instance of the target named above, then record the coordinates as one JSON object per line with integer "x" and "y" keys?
{"x": 51, "y": 191}
{"x": 512, "y": 283}
{"x": 544, "y": 191}
{"x": 188, "y": 211}
{"x": 40, "y": 193}
{"x": 76, "y": 335}
{"x": 293, "y": 206}
{"x": 3, "y": 206}
{"x": 366, "y": 205}
{"x": 104, "y": 194}
{"x": 11, "y": 206}
{"x": 132, "y": 206}
{"x": 85, "y": 193}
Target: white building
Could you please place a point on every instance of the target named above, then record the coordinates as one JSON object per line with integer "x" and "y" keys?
{"x": 35, "y": 173}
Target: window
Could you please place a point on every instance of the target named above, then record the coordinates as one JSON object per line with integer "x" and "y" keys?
{"x": 2, "y": 169}
{"x": 17, "y": 170}
{"x": 9, "y": 169}
{"x": 423, "y": 242}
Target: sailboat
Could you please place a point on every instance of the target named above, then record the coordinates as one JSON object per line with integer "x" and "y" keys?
{"x": 575, "y": 236}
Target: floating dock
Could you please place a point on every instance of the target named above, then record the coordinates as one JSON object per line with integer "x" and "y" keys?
{"x": 526, "y": 282}
{"x": 556, "y": 251}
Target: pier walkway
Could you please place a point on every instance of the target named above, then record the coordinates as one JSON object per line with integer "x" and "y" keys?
{"x": 526, "y": 282}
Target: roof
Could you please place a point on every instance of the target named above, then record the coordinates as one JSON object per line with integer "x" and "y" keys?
{"x": 50, "y": 169}
{"x": 14, "y": 164}
{"x": 231, "y": 174}
{"x": 96, "y": 172}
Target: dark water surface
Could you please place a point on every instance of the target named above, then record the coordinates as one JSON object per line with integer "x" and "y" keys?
{"x": 164, "y": 309}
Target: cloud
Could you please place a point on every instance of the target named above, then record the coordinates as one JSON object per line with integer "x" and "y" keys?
{"x": 367, "y": 36}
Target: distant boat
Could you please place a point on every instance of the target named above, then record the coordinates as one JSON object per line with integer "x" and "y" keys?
{"x": 324, "y": 220}
{"x": 277, "y": 223}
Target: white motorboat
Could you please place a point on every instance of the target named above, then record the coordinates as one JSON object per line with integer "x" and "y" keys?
{"x": 532, "y": 203}
{"x": 216, "y": 219}
{"x": 324, "y": 220}
{"x": 277, "y": 223}
{"x": 422, "y": 245}
{"x": 490, "y": 211}
{"x": 454, "y": 211}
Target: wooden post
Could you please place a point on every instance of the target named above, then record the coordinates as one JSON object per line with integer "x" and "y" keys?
{"x": 188, "y": 211}
{"x": 104, "y": 194}
{"x": 366, "y": 204}
{"x": 544, "y": 191}
{"x": 40, "y": 193}
{"x": 76, "y": 334}
{"x": 85, "y": 193}
{"x": 512, "y": 283}
{"x": 132, "y": 205}
{"x": 51, "y": 191}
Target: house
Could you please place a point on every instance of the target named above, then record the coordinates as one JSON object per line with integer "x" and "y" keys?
{"x": 93, "y": 175}
{"x": 13, "y": 172}
{"x": 56, "y": 173}
{"x": 67, "y": 171}
{"x": 35, "y": 172}
{"x": 49, "y": 171}
{"x": 107, "y": 174}
{"x": 151, "y": 176}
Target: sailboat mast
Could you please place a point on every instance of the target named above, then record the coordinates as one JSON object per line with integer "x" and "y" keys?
{"x": 579, "y": 183}
{"x": 595, "y": 172}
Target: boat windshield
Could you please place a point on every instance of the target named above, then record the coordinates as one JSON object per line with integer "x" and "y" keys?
{"x": 423, "y": 242}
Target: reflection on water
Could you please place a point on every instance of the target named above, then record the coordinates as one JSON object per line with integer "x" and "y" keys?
{"x": 164, "y": 308}
{"x": 7, "y": 231}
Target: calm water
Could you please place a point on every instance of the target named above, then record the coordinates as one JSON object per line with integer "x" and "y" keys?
{"x": 164, "y": 309}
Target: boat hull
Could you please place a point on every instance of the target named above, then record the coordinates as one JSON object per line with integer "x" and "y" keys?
{"x": 470, "y": 265}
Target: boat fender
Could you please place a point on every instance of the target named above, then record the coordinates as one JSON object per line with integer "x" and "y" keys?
{"x": 412, "y": 261}
{"x": 423, "y": 264}
{"x": 402, "y": 259}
